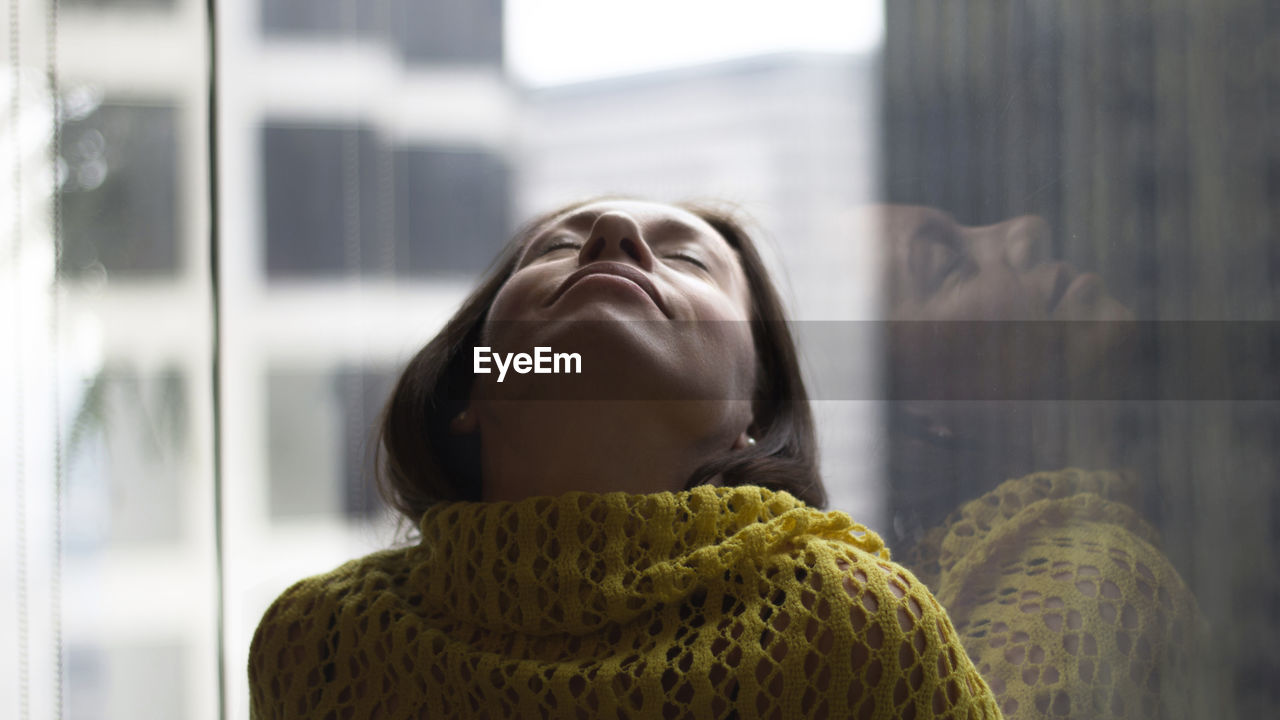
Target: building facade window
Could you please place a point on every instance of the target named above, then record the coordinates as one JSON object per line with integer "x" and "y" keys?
{"x": 106, "y": 679}
{"x": 321, "y": 196}
{"x": 338, "y": 202}
{"x": 128, "y": 449}
{"x": 320, "y": 441}
{"x": 452, "y": 210}
{"x": 120, "y": 190}
{"x": 449, "y": 31}
{"x": 326, "y": 18}
{"x": 120, "y": 4}
{"x": 423, "y": 31}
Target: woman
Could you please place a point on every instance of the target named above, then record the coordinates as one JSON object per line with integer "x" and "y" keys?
{"x": 638, "y": 540}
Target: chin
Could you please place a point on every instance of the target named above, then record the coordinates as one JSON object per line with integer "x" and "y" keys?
{"x": 1099, "y": 344}
{"x": 621, "y": 361}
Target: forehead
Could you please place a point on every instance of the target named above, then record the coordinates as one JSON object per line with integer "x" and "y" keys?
{"x": 652, "y": 218}
{"x": 906, "y": 221}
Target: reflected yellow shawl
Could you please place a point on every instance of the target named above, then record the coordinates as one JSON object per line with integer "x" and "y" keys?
{"x": 1064, "y": 601}
{"x": 695, "y": 604}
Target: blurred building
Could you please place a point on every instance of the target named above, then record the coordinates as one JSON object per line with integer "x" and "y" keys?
{"x": 369, "y": 166}
{"x": 139, "y": 588}
{"x": 363, "y": 180}
{"x": 790, "y": 139}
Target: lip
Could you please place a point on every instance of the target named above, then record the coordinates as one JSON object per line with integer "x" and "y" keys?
{"x": 1082, "y": 280}
{"x": 1063, "y": 281}
{"x": 1084, "y": 287}
{"x": 617, "y": 269}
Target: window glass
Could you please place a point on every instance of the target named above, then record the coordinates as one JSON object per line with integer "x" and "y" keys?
{"x": 125, "y": 5}
{"x": 424, "y": 32}
{"x": 320, "y": 197}
{"x": 1028, "y": 250}
{"x": 107, "y": 452}
{"x": 324, "y": 18}
{"x": 452, "y": 210}
{"x": 305, "y": 444}
{"x": 106, "y": 681}
{"x": 128, "y": 449}
{"x": 449, "y": 31}
{"x": 330, "y": 213}
{"x": 320, "y": 430}
{"x": 120, "y": 208}
{"x": 1116, "y": 150}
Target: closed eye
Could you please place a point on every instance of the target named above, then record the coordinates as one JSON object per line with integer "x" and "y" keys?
{"x": 689, "y": 259}
{"x": 933, "y": 258}
{"x": 564, "y": 244}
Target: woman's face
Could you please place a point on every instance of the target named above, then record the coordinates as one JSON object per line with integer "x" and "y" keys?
{"x": 970, "y": 305}
{"x": 941, "y": 270}
{"x": 651, "y": 296}
{"x": 958, "y": 279}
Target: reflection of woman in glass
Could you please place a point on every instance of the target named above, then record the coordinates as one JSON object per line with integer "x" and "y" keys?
{"x": 1053, "y": 580}
{"x": 603, "y": 545}
{"x": 985, "y": 312}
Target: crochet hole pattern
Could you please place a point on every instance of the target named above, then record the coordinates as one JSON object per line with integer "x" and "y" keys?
{"x": 1063, "y": 601}
{"x": 717, "y": 602}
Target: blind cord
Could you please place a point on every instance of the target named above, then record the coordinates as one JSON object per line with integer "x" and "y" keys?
{"x": 19, "y": 476}
{"x": 55, "y": 329}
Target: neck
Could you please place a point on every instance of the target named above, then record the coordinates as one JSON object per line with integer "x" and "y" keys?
{"x": 548, "y": 448}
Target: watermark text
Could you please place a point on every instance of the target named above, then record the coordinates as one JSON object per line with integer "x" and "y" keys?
{"x": 542, "y": 362}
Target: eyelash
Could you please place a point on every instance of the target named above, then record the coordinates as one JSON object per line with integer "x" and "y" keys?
{"x": 931, "y": 273}
{"x": 560, "y": 245}
{"x": 568, "y": 244}
{"x": 689, "y": 259}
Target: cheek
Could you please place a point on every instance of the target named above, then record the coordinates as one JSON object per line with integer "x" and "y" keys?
{"x": 729, "y": 301}
{"x": 512, "y": 316}
{"x": 521, "y": 297}
{"x": 725, "y": 317}
{"x": 507, "y": 302}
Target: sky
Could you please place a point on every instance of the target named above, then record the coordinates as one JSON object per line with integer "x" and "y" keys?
{"x": 554, "y": 42}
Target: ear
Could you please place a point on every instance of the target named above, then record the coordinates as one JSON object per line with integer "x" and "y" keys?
{"x": 464, "y": 423}
{"x": 743, "y": 441}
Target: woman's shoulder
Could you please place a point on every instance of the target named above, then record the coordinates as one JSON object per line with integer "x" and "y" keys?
{"x": 1063, "y": 598}
{"x": 305, "y": 623}
{"x": 378, "y": 571}
{"x": 834, "y": 562}
{"x": 1071, "y": 497}
{"x": 870, "y": 617}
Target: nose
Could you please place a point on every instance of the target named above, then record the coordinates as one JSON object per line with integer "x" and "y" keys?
{"x": 1026, "y": 241}
{"x": 616, "y": 236}
{"x": 1051, "y": 280}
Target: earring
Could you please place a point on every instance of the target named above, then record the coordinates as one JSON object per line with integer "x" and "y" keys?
{"x": 462, "y": 423}
{"x": 751, "y": 440}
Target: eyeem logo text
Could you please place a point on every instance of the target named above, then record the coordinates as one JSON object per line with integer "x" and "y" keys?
{"x": 541, "y": 362}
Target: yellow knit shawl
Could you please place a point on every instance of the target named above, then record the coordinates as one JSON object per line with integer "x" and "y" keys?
{"x": 716, "y": 602}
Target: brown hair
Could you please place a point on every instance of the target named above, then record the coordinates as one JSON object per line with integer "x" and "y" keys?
{"x": 421, "y": 462}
